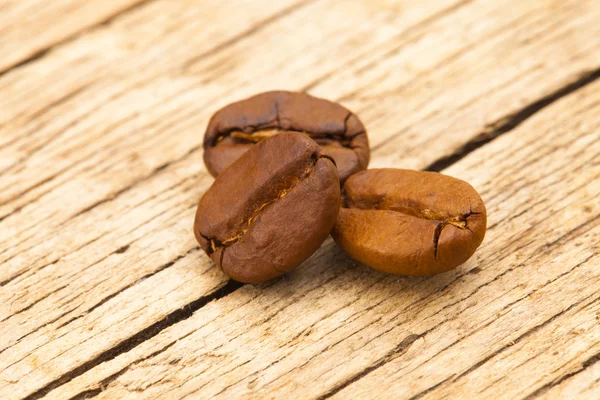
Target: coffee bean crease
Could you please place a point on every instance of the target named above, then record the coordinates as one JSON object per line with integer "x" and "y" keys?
{"x": 409, "y": 222}
{"x": 215, "y": 243}
{"x": 237, "y": 127}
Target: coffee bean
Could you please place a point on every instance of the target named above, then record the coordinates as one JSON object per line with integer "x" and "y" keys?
{"x": 237, "y": 127}
{"x": 410, "y": 222}
{"x": 270, "y": 209}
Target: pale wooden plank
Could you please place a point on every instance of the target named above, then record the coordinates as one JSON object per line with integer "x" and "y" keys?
{"x": 154, "y": 212}
{"x": 44, "y": 304}
{"x": 540, "y": 290}
{"x": 47, "y": 254}
{"x": 77, "y": 194}
{"x": 328, "y": 324}
{"x": 132, "y": 211}
{"x": 81, "y": 189}
{"x": 492, "y": 67}
{"x": 584, "y": 384}
{"x": 87, "y": 199}
{"x": 45, "y": 179}
{"x": 559, "y": 348}
{"x": 28, "y": 27}
{"x": 93, "y": 147}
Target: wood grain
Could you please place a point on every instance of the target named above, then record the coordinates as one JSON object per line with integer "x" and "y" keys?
{"x": 101, "y": 170}
{"x": 497, "y": 327}
{"x": 30, "y": 28}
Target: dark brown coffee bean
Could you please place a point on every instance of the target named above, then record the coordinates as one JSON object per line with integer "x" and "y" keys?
{"x": 237, "y": 127}
{"x": 270, "y": 210}
{"x": 410, "y": 222}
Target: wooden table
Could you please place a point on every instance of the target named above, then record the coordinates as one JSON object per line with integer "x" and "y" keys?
{"x": 104, "y": 293}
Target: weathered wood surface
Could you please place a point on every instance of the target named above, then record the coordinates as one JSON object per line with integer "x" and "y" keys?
{"x": 31, "y": 27}
{"x": 105, "y": 293}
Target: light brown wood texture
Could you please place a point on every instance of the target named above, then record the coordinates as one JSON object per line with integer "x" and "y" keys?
{"x": 524, "y": 312}
{"x": 31, "y": 27}
{"x": 104, "y": 292}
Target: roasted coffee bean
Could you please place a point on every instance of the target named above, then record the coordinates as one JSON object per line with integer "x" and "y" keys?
{"x": 410, "y": 222}
{"x": 269, "y": 210}
{"x": 237, "y": 127}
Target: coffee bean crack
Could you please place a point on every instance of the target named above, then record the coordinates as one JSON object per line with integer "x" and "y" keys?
{"x": 262, "y": 134}
{"x": 255, "y": 134}
{"x": 459, "y": 221}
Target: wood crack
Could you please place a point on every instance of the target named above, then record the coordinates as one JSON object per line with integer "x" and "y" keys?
{"x": 245, "y": 34}
{"x": 137, "y": 182}
{"x": 424, "y": 392}
{"x": 384, "y": 361}
{"x": 413, "y": 28}
{"x": 34, "y": 331}
{"x": 579, "y": 230}
{"x": 586, "y": 364}
{"x": 303, "y": 332}
{"x": 396, "y": 352}
{"x": 37, "y": 114}
{"x": 498, "y": 128}
{"x": 72, "y": 36}
{"x": 167, "y": 265}
{"x": 133, "y": 341}
{"x": 465, "y": 298}
{"x": 107, "y": 199}
{"x": 53, "y": 177}
{"x": 113, "y": 295}
{"x": 531, "y": 330}
{"x": 22, "y": 310}
{"x": 113, "y": 377}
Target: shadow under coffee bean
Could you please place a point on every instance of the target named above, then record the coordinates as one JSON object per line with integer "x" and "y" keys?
{"x": 238, "y": 126}
{"x": 410, "y": 222}
{"x": 270, "y": 210}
